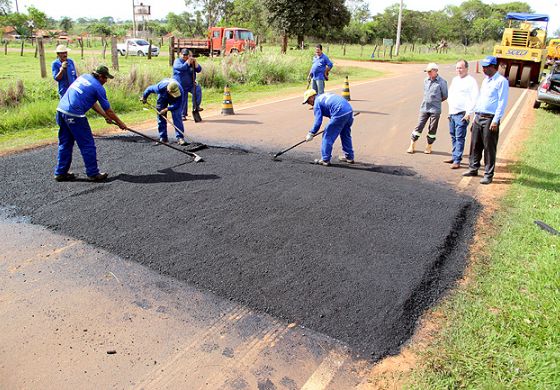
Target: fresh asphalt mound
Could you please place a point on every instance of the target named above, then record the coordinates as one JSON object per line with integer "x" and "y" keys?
{"x": 355, "y": 253}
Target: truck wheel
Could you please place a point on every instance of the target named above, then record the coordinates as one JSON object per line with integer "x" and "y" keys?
{"x": 121, "y": 52}
{"x": 536, "y": 104}
{"x": 140, "y": 53}
{"x": 512, "y": 77}
{"x": 525, "y": 77}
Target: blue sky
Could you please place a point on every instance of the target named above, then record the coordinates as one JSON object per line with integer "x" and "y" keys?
{"x": 122, "y": 9}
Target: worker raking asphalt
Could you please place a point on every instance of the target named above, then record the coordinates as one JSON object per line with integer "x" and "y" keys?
{"x": 355, "y": 252}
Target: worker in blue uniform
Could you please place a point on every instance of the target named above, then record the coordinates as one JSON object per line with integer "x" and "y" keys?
{"x": 169, "y": 98}
{"x": 339, "y": 111}
{"x": 320, "y": 69}
{"x": 63, "y": 70}
{"x": 84, "y": 93}
{"x": 185, "y": 69}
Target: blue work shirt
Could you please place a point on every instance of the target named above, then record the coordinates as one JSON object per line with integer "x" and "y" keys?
{"x": 164, "y": 99}
{"x": 67, "y": 78}
{"x": 183, "y": 73}
{"x": 319, "y": 66}
{"x": 329, "y": 105}
{"x": 82, "y": 95}
{"x": 435, "y": 92}
{"x": 493, "y": 97}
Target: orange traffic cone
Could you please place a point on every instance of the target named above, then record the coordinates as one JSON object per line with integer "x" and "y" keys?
{"x": 227, "y": 105}
{"x": 346, "y": 90}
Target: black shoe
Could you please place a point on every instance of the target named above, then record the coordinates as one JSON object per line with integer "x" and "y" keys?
{"x": 163, "y": 141}
{"x": 200, "y": 109}
{"x": 98, "y": 177}
{"x": 182, "y": 142}
{"x": 184, "y": 118}
{"x": 470, "y": 173}
{"x": 486, "y": 180}
{"x": 65, "y": 177}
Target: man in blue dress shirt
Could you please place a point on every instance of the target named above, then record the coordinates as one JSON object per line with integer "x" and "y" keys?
{"x": 489, "y": 110}
{"x": 63, "y": 70}
{"x": 339, "y": 111}
{"x": 319, "y": 70}
{"x": 84, "y": 93}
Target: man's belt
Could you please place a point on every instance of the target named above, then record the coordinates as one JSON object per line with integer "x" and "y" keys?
{"x": 484, "y": 115}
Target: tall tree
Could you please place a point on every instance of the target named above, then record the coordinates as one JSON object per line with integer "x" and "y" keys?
{"x": 214, "y": 10}
{"x": 5, "y": 7}
{"x": 66, "y": 23}
{"x": 299, "y": 17}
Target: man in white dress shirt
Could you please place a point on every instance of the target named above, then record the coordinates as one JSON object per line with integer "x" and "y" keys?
{"x": 462, "y": 99}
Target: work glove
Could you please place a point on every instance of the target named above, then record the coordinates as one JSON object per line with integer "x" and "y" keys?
{"x": 65, "y": 65}
{"x": 309, "y": 137}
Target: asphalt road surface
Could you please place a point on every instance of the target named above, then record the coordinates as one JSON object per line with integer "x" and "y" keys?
{"x": 255, "y": 264}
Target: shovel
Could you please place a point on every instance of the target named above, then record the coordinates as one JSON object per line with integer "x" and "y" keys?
{"x": 195, "y": 113}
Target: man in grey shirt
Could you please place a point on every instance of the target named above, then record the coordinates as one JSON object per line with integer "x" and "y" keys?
{"x": 435, "y": 92}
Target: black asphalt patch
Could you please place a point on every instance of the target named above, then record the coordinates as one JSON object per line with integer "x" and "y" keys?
{"x": 357, "y": 253}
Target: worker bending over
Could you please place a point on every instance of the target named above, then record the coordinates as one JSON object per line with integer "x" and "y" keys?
{"x": 340, "y": 113}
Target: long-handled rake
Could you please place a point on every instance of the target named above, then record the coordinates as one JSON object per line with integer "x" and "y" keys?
{"x": 165, "y": 118}
{"x": 356, "y": 113}
{"x": 195, "y": 156}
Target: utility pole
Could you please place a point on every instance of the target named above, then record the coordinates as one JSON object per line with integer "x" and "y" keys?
{"x": 17, "y": 8}
{"x": 399, "y": 22}
{"x": 133, "y": 20}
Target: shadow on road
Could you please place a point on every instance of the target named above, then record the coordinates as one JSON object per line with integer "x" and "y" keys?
{"x": 164, "y": 176}
{"x": 371, "y": 112}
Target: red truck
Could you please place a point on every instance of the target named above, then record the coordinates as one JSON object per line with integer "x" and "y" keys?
{"x": 236, "y": 40}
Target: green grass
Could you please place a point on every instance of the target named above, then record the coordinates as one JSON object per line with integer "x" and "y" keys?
{"x": 408, "y": 53}
{"x": 503, "y": 328}
{"x": 251, "y": 78}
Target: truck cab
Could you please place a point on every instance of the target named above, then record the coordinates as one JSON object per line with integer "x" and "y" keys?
{"x": 237, "y": 39}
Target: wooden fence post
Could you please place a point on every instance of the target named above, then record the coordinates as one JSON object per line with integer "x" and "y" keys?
{"x": 5, "y": 48}
{"x": 21, "y": 51}
{"x": 150, "y": 50}
{"x": 171, "y": 50}
{"x": 81, "y": 43}
{"x": 41, "y": 49}
{"x": 104, "y": 45}
{"x": 114, "y": 53}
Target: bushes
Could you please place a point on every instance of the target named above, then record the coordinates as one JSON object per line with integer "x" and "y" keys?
{"x": 34, "y": 106}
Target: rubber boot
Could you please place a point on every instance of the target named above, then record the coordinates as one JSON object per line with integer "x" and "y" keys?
{"x": 428, "y": 149}
{"x": 411, "y": 148}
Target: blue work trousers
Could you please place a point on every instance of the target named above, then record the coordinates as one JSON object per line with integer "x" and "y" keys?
{"x": 177, "y": 121}
{"x": 338, "y": 126}
{"x": 77, "y": 129}
{"x": 458, "y": 132}
{"x": 190, "y": 89}
{"x": 318, "y": 86}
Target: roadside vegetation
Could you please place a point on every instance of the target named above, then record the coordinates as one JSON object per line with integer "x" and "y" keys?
{"x": 28, "y": 102}
{"x": 501, "y": 329}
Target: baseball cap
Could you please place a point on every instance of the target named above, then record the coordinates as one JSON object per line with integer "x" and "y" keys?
{"x": 62, "y": 49}
{"x": 103, "y": 71}
{"x": 173, "y": 89}
{"x": 307, "y": 94}
{"x": 185, "y": 52}
{"x": 431, "y": 66}
{"x": 489, "y": 60}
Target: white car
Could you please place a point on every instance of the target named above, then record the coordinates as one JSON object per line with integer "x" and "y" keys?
{"x": 136, "y": 47}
